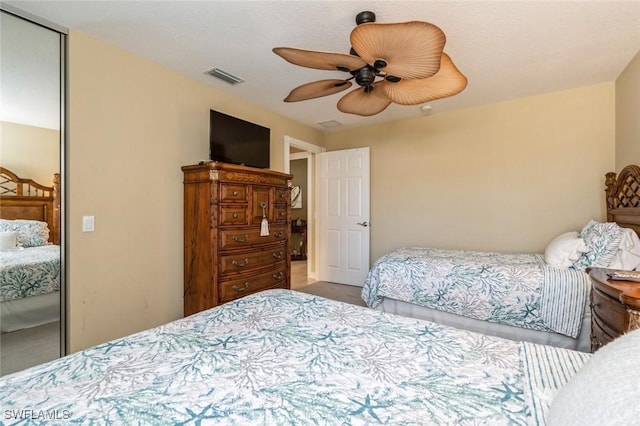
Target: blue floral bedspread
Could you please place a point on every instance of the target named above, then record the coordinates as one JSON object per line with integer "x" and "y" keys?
{"x": 512, "y": 289}
{"x": 282, "y": 357}
{"x": 29, "y": 272}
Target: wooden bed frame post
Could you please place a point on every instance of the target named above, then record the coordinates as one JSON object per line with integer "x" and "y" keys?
{"x": 55, "y": 237}
{"x": 623, "y": 197}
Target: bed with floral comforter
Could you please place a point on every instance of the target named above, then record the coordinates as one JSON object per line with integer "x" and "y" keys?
{"x": 518, "y": 290}
{"x": 30, "y": 271}
{"x": 283, "y": 357}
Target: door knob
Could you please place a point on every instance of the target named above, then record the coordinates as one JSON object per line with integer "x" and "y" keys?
{"x": 365, "y": 224}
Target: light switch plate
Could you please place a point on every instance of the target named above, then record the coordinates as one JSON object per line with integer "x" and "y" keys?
{"x": 88, "y": 223}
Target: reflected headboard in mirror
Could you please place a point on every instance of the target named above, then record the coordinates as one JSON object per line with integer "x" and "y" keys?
{"x": 623, "y": 197}
{"x": 23, "y": 198}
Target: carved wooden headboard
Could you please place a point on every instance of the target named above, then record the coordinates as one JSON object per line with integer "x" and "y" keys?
{"x": 22, "y": 198}
{"x": 623, "y": 197}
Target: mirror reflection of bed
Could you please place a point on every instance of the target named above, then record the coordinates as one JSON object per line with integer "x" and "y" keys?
{"x": 29, "y": 271}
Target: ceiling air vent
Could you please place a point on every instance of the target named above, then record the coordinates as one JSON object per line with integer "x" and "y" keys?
{"x": 223, "y": 75}
{"x": 330, "y": 123}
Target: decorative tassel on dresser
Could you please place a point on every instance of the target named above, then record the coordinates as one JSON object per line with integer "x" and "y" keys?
{"x": 264, "y": 225}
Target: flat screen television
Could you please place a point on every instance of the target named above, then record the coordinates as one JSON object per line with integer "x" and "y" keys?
{"x": 232, "y": 140}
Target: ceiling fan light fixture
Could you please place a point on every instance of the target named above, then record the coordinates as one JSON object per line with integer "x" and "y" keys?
{"x": 406, "y": 58}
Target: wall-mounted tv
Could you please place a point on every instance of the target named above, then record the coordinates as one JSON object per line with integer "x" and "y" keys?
{"x": 232, "y": 140}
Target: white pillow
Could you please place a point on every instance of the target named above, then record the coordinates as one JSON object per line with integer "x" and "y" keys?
{"x": 605, "y": 390}
{"x": 564, "y": 250}
{"x": 8, "y": 240}
{"x": 628, "y": 254}
{"x": 31, "y": 233}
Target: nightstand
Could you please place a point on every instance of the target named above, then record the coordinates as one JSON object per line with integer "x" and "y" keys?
{"x": 615, "y": 308}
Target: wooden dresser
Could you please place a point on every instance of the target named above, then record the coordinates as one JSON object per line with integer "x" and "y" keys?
{"x": 615, "y": 308}
{"x": 225, "y": 257}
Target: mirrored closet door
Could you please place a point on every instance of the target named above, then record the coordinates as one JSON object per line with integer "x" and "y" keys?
{"x": 32, "y": 77}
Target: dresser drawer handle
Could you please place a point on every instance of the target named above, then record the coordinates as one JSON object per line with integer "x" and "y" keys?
{"x": 278, "y": 276}
{"x": 241, "y": 238}
{"x": 241, "y": 263}
{"x": 244, "y": 287}
{"x": 235, "y": 215}
{"x": 283, "y": 214}
{"x": 235, "y": 193}
{"x": 279, "y": 234}
{"x": 278, "y": 255}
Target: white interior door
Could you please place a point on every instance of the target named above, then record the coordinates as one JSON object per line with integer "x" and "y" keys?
{"x": 343, "y": 215}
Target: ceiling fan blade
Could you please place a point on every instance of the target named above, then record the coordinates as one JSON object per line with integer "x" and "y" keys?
{"x": 448, "y": 81}
{"x": 362, "y": 103}
{"x": 320, "y": 60}
{"x": 317, "y": 89}
{"x": 411, "y": 49}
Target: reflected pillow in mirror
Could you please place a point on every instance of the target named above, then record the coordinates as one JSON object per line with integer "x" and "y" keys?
{"x": 31, "y": 233}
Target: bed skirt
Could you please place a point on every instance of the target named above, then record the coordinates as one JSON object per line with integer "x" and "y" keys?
{"x": 29, "y": 312}
{"x": 581, "y": 343}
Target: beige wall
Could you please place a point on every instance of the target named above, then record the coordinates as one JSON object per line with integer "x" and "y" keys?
{"x": 132, "y": 125}
{"x": 507, "y": 177}
{"x": 628, "y": 115}
{"x": 29, "y": 151}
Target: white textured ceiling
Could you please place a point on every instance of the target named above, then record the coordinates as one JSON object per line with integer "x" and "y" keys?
{"x": 507, "y": 49}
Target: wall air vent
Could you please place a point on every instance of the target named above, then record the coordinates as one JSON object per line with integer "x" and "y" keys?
{"x": 225, "y": 76}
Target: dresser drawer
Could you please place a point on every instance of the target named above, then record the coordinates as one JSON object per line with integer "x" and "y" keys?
{"x": 230, "y": 192}
{"x": 238, "y": 263}
{"x": 236, "y": 238}
{"x": 233, "y": 215}
{"x": 612, "y": 315}
{"x": 280, "y": 212}
{"x": 236, "y": 288}
{"x": 281, "y": 195}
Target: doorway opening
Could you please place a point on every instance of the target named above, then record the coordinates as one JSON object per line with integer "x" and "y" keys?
{"x": 299, "y": 156}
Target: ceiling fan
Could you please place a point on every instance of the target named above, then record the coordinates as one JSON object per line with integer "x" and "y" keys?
{"x": 400, "y": 63}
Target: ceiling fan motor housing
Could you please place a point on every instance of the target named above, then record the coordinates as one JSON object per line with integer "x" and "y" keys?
{"x": 365, "y": 76}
